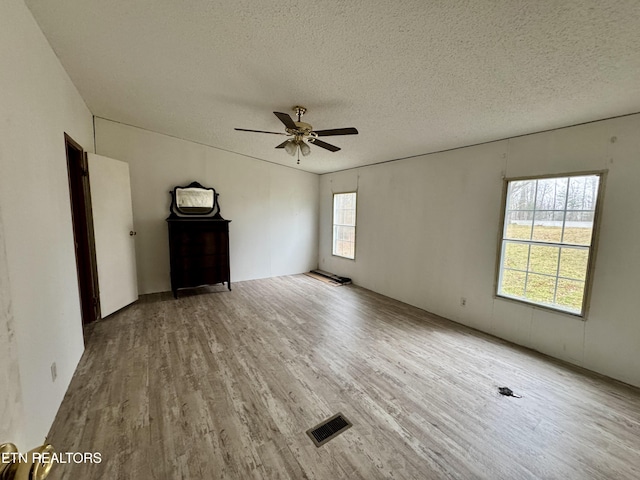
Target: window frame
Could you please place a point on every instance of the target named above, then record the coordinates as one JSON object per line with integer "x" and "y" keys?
{"x": 592, "y": 248}
{"x": 333, "y": 224}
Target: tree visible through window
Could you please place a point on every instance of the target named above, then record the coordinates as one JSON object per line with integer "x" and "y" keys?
{"x": 344, "y": 225}
{"x": 547, "y": 241}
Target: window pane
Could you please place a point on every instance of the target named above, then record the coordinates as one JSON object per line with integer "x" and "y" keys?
{"x": 547, "y": 226}
{"x": 349, "y": 217}
{"x": 518, "y": 225}
{"x": 578, "y": 228}
{"x": 544, "y": 259}
{"x": 513, "y": 283}
{"x": 540, "y": 288}
{"x": 521, "y": 195}
{"x": 551, "y": 193}
{"x": 580, "y": 218}
{"x": 570, "y": 294}
{"x": 516, "y": 255}
{"x": 344, "y": 241}
{"x": 583, "y": 192}
{"x": 573, "y": 263}
{"x": 344, "y": 207}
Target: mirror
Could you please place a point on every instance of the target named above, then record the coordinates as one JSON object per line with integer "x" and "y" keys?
{"x": 194, "y": 199}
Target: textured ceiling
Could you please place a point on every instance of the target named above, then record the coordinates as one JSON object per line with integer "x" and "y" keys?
{"x": 414, "y": 76}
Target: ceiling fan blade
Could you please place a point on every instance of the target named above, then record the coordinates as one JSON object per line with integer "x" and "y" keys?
{"x": 259, "y": 131}
{"x": 286, "y": 119}
{"x": 336, "y": 131}
{"x": 322, "y": 144}
{"x": 283, "y": 144}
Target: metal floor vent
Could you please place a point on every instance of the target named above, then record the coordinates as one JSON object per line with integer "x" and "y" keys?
{"x": 329, "y": 429}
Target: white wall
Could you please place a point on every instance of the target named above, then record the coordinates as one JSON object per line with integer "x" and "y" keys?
{"x": 273, "y": 209}
{"x": 11, "y": 411}
{"x": 38, "y": 103}
{"x": 427, "y": 234}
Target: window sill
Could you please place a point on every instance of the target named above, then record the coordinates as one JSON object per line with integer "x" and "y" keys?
{"x": 578, "y": 316}
{"x": 344, "y": 258}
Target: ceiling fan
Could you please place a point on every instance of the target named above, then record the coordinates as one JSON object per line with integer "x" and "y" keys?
{"x": 300, "y": 131}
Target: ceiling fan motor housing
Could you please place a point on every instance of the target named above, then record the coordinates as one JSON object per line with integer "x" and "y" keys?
{"x": 303, "y": 129}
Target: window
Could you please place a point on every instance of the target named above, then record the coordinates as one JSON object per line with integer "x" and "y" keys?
{"x": 344, "y": 225}
{"x": 547, "y": 241}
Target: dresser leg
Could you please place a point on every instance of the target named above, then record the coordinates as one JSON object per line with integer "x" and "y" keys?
{"x": 229, "y": 285}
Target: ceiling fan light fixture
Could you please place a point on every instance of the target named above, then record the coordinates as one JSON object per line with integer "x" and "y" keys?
{"x": 304, "y": 148}
{"x": 291, "y": 147}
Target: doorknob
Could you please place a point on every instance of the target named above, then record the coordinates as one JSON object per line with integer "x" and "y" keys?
{"x": 132, "y": 233}
{"x": 35, "y": 464}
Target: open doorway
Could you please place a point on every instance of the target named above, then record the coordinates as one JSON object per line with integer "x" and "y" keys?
{"x": 83, "y": 236}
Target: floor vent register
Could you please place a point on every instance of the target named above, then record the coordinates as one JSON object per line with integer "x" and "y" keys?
{"x": 329, "y": 429}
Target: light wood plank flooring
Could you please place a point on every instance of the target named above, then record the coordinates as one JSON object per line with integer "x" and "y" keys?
{"x": 225, "y": 384}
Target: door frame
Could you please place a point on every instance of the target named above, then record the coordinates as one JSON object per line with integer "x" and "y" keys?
{"x": 83, "y": 235}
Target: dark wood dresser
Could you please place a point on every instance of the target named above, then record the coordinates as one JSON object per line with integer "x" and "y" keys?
{"x": 198, "y": 239}
{"x": 199, "y": 249}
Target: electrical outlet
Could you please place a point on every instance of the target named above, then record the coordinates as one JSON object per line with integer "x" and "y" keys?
{"x": 463, "y": 301}
{"x": 54, "y": 372}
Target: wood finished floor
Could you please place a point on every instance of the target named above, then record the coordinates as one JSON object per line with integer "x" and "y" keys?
{"x": 224, "y": 385}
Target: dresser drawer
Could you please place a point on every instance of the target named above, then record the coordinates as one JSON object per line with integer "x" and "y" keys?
{"x": 210, "y": 244}
{"x": 195, "y": 277}
{"x": 187, "y": 262}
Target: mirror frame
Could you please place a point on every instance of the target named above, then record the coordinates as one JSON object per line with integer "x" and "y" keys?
{"x": 177, "y": 212}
